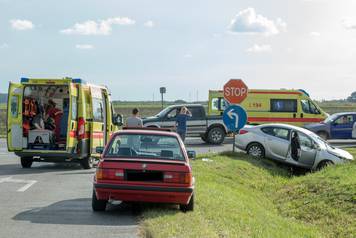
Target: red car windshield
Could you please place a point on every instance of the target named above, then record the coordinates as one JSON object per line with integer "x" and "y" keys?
{"x": 145, "y": 146}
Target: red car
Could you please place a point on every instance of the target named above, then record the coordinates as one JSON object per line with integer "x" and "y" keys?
{"x": 144, "y": 165}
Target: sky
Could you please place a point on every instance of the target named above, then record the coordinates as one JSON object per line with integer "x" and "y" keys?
{"x": 136, "y": 46}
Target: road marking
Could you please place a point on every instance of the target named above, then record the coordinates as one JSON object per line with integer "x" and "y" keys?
{"x": 29, "y": 183}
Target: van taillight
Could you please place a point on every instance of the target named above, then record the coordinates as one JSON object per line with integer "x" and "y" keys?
{"x": 81, "y": 128}
{"x": 176, "y": 177}
{"x": 242, "y": 132}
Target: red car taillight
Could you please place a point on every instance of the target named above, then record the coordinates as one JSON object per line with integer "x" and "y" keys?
{"x": 176, "y": 177}
{"x": 110, "y": 174}
{"x": 242, "y": 132}
{"x": 81, "y": 128}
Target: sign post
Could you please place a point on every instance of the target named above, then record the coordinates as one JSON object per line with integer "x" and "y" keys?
{"x": 162, "y": 90}
{"x": 235, "y": 117}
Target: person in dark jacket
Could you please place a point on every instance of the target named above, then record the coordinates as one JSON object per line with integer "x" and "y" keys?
{"x": 181, "y": 122}
{"x": 295, "y": 146}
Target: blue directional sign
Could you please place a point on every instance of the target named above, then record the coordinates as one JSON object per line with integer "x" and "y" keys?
{"x": 235, "y": 118}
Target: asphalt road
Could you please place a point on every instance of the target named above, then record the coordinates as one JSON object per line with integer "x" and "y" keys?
{"x": 54, "y": 200}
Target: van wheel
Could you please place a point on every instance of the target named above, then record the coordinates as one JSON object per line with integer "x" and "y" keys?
{"x": 87, "y": 163}
{"x": 323, "y": 164}
{"x": 323, "y": 135}
{"x": 187, "y": 207}
{"x": 216, "y": 135}
{"x": 98, "y": 205}
{"x": 256, "y": 150}
{"x": 26, "y": 162}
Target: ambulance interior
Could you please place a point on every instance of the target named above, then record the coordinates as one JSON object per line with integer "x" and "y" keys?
{"x": 45, "y": 117}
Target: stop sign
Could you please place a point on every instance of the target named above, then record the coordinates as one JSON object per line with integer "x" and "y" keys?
{"x": 235, "y": 91}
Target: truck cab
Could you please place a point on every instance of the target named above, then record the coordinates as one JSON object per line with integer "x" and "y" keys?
{"x": 57, "y": 120}
{"x": 210, "y": 128}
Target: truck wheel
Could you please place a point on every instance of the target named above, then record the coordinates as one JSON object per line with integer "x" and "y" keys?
{"x": 87, "y": 163}
{"x": 26, "y": 162}
{"x": 187, "y": 207}
{"x": 204, "y": 138}
{"x": 323, "y": 135}
{"x": 98, "y": 205}
{"x": 216, "y": 135}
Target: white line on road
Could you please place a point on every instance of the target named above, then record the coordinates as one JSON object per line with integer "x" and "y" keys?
{"x": 29, "y": 183}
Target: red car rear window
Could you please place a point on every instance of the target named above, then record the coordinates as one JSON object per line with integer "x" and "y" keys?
{"x": 145, "y": 146}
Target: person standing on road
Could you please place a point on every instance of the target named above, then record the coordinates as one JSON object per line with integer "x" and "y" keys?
{"x": 181, "y": 122}
{"x": 134, "y": 120}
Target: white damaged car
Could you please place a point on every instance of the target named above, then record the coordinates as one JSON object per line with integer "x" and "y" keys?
{"x": 289, "y": 144}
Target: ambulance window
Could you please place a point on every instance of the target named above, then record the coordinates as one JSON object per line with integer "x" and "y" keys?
{"x": 74, "y": 108}
{"x": 215, "y": 104}
{"x": 98, "y": 110}
{"x": 309, "y": 107}
{"x": 305, "y": 106}
{"x": 14, "y": 106}
{"x": 223, "y": 104}
{"x": 283, "y": 105}
{"x": 313, "y": 108}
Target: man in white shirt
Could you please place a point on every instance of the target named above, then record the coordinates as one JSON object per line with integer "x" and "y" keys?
{"x": 134, "y": 120}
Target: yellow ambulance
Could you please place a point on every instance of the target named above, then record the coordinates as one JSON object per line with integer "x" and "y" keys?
{"x": 57, "y": 120}
{"x": 272, "y": 106}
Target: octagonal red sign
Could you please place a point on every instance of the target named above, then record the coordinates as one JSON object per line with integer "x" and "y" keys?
{"x": 235, "y": 91}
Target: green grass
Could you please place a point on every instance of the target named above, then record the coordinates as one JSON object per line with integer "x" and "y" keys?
{"x": 237, "y": 196}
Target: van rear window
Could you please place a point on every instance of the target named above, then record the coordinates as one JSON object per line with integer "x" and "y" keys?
{"x": 283, "y": 105}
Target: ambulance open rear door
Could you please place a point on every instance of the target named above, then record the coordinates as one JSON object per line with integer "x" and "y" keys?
{"x": 14, "y": 117}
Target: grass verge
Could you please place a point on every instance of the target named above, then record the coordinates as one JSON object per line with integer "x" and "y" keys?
{"x": 237, "y": 196}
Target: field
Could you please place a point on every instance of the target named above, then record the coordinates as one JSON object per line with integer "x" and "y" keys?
{"x": 238, "y": 196}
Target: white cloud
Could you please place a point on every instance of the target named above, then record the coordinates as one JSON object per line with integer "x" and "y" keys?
{"x": 315, "y": 34}
{"x": 101, "y": 27}
{"x": 84, "y": 46}
{"x": 349, "y": 23}
{"x": 188, "y": 55}
{"x": 21, "y": 25}
{"x": 248, "y": 21}
{"x": 259, "y": 48}
{"x": 149, "y": 24}
{"x": 4, "y": 45}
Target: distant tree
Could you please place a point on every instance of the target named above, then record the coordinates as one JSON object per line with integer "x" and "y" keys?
{"x": 352, "y": 97}
{"x": 179, "y": 101}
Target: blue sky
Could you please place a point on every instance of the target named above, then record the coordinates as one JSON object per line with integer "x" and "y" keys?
{"x": 134, "y": 47}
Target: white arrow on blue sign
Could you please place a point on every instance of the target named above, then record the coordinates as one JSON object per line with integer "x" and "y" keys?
{"x": 235, "y": 118}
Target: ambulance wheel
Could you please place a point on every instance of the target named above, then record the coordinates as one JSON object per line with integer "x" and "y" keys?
{"x": 87, "y": 163}
{"x": 26, "y": 162}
